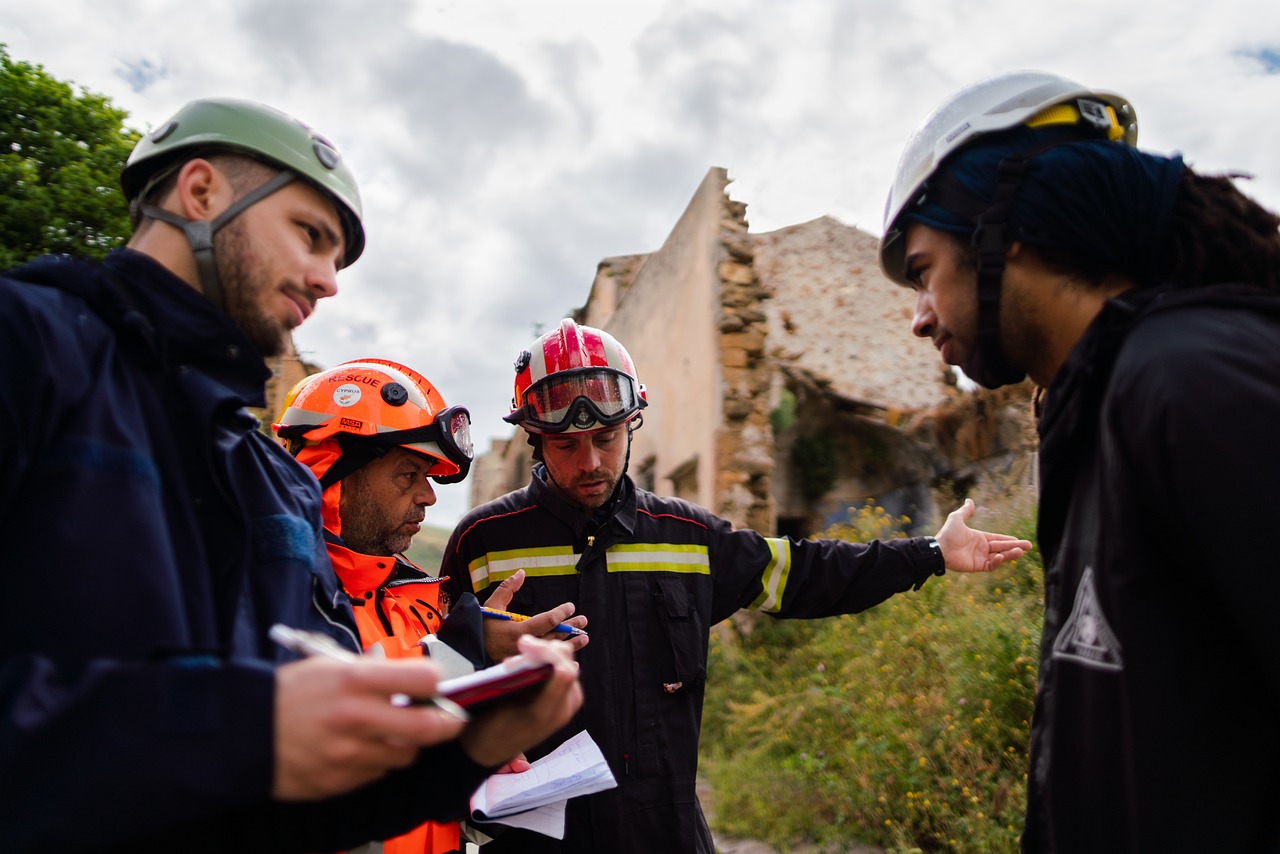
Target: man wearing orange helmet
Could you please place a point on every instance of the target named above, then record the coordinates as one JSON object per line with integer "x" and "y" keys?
{"x": 652, "y": 575}
{"x": 375, "y": 433}
{"x": 166, "y": 719}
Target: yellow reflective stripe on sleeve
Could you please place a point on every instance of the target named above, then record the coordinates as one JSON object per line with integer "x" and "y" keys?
{"x": 496, "y": 567}
{"x": 658, "y": 557}
{"x": 774, "y": 577}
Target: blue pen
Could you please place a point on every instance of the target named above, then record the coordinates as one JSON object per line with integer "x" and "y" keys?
{"x": 562, "y": 628}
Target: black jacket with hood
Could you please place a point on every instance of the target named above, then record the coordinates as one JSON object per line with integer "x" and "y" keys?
{"x": 1159, "y": 690}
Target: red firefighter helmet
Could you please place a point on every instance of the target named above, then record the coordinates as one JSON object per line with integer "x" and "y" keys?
{"x": 575, "y": 379}
{"x": 371, "y": 405}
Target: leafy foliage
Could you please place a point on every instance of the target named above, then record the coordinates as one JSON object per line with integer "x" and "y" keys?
{"x": 904, "y": 727}
{"x": 815, "y": 460}
{"x": 61, "y": 153}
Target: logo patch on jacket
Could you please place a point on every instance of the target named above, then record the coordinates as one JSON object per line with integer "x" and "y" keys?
{"x": 1087, "y": 637}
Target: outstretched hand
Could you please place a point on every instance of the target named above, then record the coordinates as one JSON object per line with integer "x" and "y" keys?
{"x": 501, "y": 636}
{"x": 967, "y": 550}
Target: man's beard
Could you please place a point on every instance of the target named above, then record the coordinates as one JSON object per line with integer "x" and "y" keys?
{"x": 584, "y": 502}
{"x": 242, "y": 290}
{"x": 365, "y": 526}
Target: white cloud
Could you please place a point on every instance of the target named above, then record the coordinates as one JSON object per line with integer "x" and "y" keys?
{"x": 505, "y": 147}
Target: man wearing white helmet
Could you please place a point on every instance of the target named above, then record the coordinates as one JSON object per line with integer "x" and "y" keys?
{"x": 1143, "y": 299}
{"x": 159, "y": 536}
{"x": 649, "y": 576}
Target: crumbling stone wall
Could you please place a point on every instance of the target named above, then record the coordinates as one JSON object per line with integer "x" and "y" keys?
{"x": 744, "y": 440}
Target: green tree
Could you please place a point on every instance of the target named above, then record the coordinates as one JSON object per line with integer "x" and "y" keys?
{"x": 61, "y": 153}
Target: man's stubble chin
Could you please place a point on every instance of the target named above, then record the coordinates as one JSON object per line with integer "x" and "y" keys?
{"x": 240, "y": 273}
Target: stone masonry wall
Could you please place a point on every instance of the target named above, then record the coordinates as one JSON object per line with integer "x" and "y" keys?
{"x": 744, "y": 439}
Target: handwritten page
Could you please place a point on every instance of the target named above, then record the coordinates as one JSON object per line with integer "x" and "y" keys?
{"x": 575, "y": 768}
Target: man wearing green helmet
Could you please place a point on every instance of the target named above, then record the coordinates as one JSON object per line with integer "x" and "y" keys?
{"x": 1143, "y": 298}
{"x": 254, "y": 156}
{"x": 161, "y": 535}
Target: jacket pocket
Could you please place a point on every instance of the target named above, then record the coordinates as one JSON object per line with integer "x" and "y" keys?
{"x": 684, "y": 633}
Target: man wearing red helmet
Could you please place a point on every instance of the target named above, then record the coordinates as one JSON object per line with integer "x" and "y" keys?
{"x": 652, "y": 575}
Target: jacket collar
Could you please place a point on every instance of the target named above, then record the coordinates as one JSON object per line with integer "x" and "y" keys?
{"x": 618, "y": 514}
{"x": 361, "y": 573}
{"x": 188, "y": 329}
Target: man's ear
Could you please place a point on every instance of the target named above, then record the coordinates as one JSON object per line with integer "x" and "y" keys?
{"x": 1015, "y": 250}
{"x": 202, "y": 191}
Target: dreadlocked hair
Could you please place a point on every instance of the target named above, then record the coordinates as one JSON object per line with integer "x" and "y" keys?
{"x": 1217, "y": 234}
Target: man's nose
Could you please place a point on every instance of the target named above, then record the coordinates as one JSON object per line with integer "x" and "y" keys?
{"x": 589, "y": 457}
{"x": 923, "y": 322}
{"x": 322, "y": 279}
{"x": 426, "y": 493}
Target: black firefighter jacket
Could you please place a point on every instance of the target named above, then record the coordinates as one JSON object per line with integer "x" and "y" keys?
{"x": 653, "y": 578}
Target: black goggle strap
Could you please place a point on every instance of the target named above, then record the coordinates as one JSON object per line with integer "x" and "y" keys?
{"x": 199, "y": 232}
{"x": 357, "y": 452}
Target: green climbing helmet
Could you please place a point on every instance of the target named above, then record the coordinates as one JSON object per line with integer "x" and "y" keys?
{"x": 261, "y": 131}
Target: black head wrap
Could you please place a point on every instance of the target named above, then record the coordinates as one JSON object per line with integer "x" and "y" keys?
{"x": 1105, "y": 205}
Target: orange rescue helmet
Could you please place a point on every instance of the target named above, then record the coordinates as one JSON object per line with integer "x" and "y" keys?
{"x": 369, "y": 406}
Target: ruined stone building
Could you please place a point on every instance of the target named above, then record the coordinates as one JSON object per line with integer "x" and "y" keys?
{"x": 286, "y": 370}
{"x": 784, "y": 385}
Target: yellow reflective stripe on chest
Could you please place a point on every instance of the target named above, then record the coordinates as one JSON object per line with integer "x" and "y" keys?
{"x": 496, "y": 567}
{"x": 658, "y": 557}
{"x": 774, "y": 577}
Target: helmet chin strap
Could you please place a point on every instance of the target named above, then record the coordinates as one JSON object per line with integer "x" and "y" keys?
{"x": 991, "y": 240}
{"x": 199, "y": 232}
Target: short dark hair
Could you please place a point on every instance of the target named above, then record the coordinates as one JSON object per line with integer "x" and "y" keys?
{"x": 243, "y": 171}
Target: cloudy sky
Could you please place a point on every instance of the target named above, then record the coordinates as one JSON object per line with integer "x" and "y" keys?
{"x": 504, "y": 147}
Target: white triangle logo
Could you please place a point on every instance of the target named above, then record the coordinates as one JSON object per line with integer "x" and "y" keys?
{"x": 1087, "y": 637}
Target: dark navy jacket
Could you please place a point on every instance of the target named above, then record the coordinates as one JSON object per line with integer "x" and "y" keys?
{"x": 1155, "y": 727}
{"x": 151, "y": 537}
{"x": 653, "y": 577}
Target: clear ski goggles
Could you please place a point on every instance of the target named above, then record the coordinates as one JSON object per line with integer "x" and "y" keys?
{"x": 580, "y": 399}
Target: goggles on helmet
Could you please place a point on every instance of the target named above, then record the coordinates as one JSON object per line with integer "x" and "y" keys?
{"x": 447, "y": 437}
{"x": 580, "y": 399}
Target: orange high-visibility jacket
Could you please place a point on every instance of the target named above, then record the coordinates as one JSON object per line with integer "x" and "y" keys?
{"x": 396, "y": 605}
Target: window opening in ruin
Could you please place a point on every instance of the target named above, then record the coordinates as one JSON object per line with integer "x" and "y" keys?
{"x": 684, "y": 480}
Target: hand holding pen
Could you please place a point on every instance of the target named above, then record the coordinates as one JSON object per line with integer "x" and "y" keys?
{"x": 502, "y": 629}
{"x": 309, "y": 644}
{"x": 558, "y": 628}
{"x": 335, "y": 729}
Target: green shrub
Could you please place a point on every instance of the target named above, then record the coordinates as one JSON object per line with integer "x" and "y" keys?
{"x": 904, "y": 727}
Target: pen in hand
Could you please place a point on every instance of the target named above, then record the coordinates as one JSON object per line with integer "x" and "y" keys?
{"x": 562, "y": 628}
{"x": 311, "y": 644}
